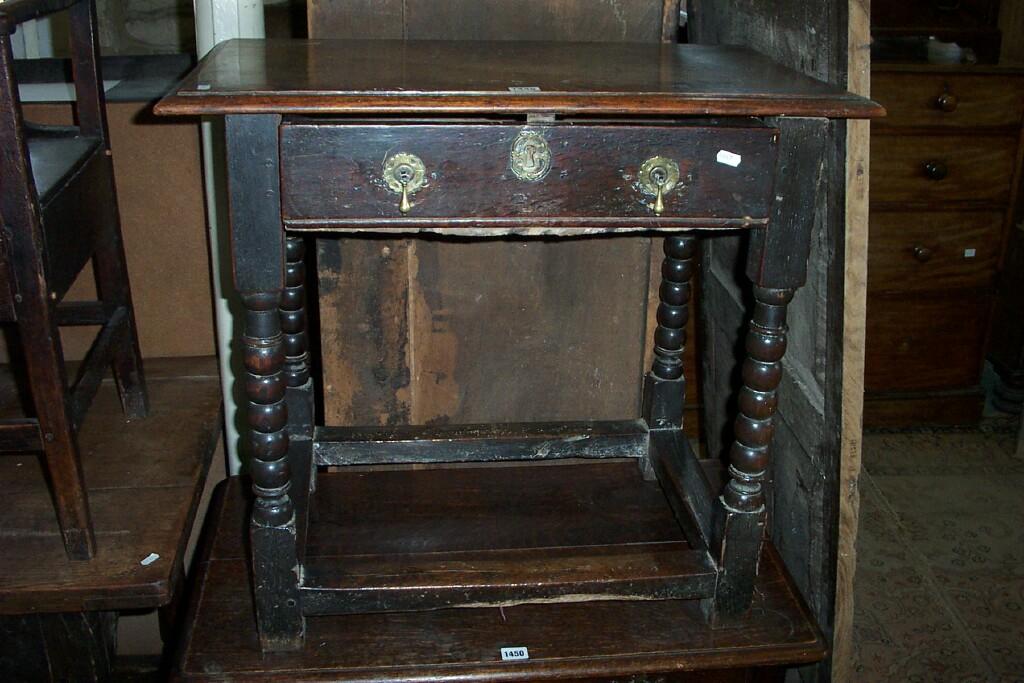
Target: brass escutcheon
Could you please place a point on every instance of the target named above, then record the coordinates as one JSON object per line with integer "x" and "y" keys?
{"x": 530, "y": 158}
{"x": 404, "y": 174}
{"x": 658, "y": 176}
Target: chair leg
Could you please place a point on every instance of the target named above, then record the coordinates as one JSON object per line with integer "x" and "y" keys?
{"x": 44, "y": 360}
{"x": 115, "y": 290}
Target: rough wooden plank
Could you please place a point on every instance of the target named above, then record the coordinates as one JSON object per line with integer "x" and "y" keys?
{"x": 855, "y": 276}
{"x": 480, "y": 443}
{"x": 404, "y": 326}
{"x": 364, "y": 328}
{"x": 632, "y": 20}
{"x": 637, "y": 21}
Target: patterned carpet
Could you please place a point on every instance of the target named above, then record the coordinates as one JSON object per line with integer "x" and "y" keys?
{"x": 939, "y": 591}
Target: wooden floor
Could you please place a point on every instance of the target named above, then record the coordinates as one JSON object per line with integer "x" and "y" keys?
{"x": 144, "y": 479}
{"x": 565, "y": 640}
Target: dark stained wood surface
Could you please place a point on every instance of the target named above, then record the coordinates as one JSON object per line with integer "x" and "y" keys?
{"x": 144, "y": 479}
{"x": 352, "y": 77}
{"x": 403, "y": 539}
{"x": 565, "y": 640}
{"x": 593, "y": 176}
{"x": 480, "y": 443}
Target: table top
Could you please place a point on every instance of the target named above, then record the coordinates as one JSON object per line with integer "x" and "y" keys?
{"x": 507, "y": 77}
{"x": 144, "y": 480}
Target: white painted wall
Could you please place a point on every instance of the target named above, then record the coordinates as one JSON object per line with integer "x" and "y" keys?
{"x": 217, "y": 21}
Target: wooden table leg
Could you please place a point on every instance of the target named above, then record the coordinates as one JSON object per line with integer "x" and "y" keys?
{"x": 299, "y": 394}
{"x": 739, "y": 527}
{"x": 258, "y": 253}
{"x": 665, "y": 384}
{"x": 777, "y": 266}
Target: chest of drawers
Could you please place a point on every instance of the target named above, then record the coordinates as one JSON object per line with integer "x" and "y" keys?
{"x": 944, "y": 172}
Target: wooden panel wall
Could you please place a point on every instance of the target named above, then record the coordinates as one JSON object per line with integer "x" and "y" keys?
{"x": 446, "y": 331}
{"x": 432, "y": 331}
{"x": 804, "y": 502}
{"x": 622, "y": 20}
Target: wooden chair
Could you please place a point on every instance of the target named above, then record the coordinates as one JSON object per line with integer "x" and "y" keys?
{"x": 58, "y": 205}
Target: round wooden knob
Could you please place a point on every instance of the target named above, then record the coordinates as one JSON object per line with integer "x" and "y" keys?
{"x": 936, "y": 170}
{"x": 946, "y": 102}
{"x": 923, "y": 254}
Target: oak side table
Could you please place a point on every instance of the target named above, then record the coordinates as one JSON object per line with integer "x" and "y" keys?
{"x": 482, "y": 139}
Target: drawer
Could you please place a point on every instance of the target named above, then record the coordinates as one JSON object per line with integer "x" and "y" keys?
{"x": 926, "y": 169}
{"x": 341, "y": 175}
{"x": 922, "y": 251}
{"x": 925, "y": 342}
{"x": 948, "y": 99}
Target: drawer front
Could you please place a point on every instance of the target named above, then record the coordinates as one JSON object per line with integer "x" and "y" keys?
{"x": 335, "y": 175}
{"x": 948, "y": 99}
{"x": 925, "y": 342}
{"x": 925, "y": 169}
{"x": 920, "y": 251}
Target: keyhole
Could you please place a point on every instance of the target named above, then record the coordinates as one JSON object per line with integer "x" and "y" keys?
{"x": 404, "y": 174}
{"x": 658, "y": 175}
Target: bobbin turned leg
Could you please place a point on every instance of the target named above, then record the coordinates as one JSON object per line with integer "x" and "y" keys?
{"x": 740, "y": 516}
{"x": 258, "y": 252}
{"x": 665, "y": 385}
{"x": 273, "y": 529}
{"x": 299, "y": 394}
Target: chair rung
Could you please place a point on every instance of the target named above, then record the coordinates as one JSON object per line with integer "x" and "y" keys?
{"x": 95, "y": 365}
{"x": 20, "y": 436}
{"x": 71, "y": 313}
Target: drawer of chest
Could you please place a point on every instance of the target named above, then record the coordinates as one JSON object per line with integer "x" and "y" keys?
{"x": 923, "y": 250}
{"x": 929, "y": 169}
{"x": 919, "y": 342}
{"x": 348, "y": 175}
{"x": 948, "y": 99}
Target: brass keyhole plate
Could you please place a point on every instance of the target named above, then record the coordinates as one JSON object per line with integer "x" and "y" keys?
{"x": 530, "y": 158}
{"x": 658, "y": 171}
{"x": 404, "y": 168}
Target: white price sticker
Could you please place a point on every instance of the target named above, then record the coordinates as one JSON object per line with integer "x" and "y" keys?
{"x": 728, "y": 158}
{"x": 510, "y": 654}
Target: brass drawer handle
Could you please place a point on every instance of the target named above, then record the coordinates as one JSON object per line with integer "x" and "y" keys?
{"x": 923, "y": 254}
{"x": 658, "y": 177}
{"x": 404, "y": 174}
{"x": 947, "y": 102}
{"x": 936, "y": 170}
